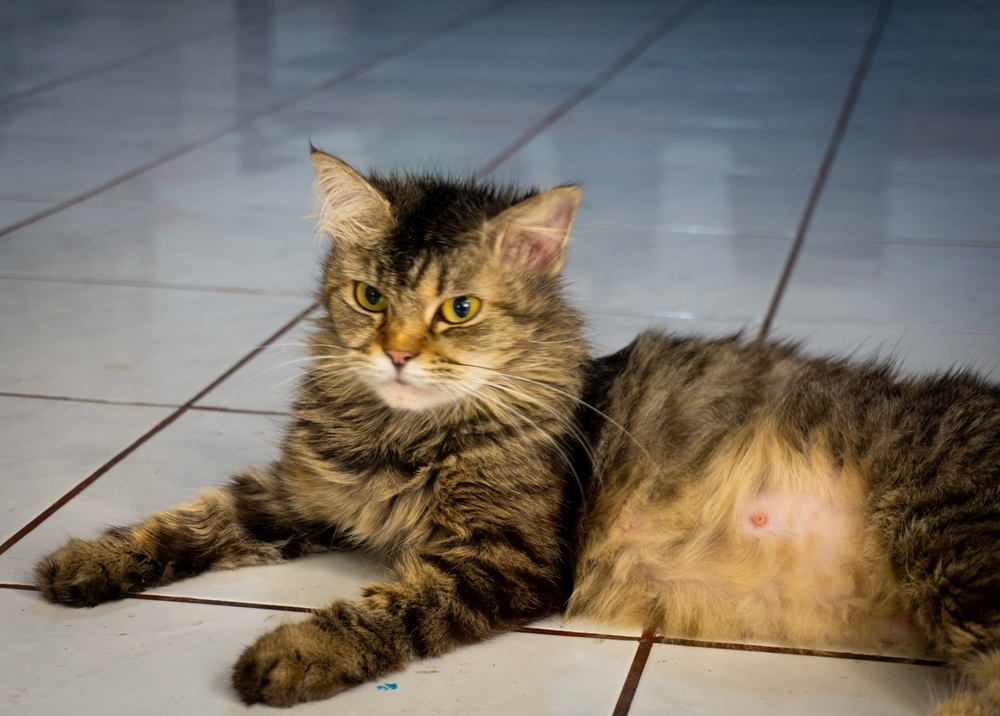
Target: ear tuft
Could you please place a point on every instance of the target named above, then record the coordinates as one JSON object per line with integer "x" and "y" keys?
{"x": 350, "y": 209}
{"x": 534, "y": 232}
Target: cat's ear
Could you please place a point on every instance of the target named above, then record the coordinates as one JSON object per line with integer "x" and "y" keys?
{"x": 351, "y": 209}
{"x": 534, "y": 231}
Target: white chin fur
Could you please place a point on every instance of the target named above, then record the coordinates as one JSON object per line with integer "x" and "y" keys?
{"x": 406, "y": 396}
{"x": 411, "y": 390}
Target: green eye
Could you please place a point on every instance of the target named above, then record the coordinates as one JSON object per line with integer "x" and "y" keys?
{"x": 460, "y": 309}
{"x": 369, "y": 297}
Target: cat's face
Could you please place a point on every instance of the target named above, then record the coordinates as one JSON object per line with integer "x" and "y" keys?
{"x": 441, "y": 293}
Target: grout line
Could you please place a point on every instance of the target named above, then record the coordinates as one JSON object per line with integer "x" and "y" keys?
{"x": 141, "y": 403}
{"x": 588, "y": 89}
{"x": 135, "y": 57}
{"x": 577, "y": 634}
{"x": 242, "y": 411}
{"x": 867, "y": 55}
{"x": 153, "y": 284}
{"x": 647, "y": 638}
{"x": 48, "y": 512}
{"x": 909, "y": 241}
{"x": 795, "y": 651}
{"x": 75, "y": 399}
{"x": 222, "y": 603}
{"x": 634, "y": 674}
{"x": 270, "y": 109}
{"x": 792, "y": 319}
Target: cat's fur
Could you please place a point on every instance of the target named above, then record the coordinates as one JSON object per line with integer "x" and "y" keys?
{"x": 715, "y": 488}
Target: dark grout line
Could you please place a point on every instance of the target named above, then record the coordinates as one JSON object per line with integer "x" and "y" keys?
{"x": 76, "y": 399}
{"x": 867, "y": 55}
{"x": 910, "y": 241}
{"x": 184, "y": 600}
{"x": 222, "y": 603}
{"x": 647, "y": 639}
{"x": 135, "y": 57}
{"x": 795, "y": 651}
{"x": 272, "y": 108}
{"x": 588, "y": 89}
{"x": 22, "y": 587}
{"x": 634, "y": 674}
{"x": 857, "y": 323}
{"x": 142, "y": 404}
{"x": 117, "y": 63}
{"x": 48, "y": 512}
{"x": 242, "y": 411}
{"x": 153, "y": 284}
{"x": 577, "y": 634}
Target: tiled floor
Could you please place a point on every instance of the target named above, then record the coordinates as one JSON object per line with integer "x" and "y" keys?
{"x": 155, "y": 269}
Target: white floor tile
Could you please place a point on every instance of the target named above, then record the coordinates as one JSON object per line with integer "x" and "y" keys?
{"x": 14, "y": 210}
{"x": 201, "y": 450}
{"x": 641, "y": 272}
{"x": 128, "y": 343}
{"x": 48, "y": 44}
{"x": 49, "y": 446}
{"x": 267, "y": 382}
{"x": 157, "y": 242}
{"x": 166, "y": 658}
{"x": 609, "y": 332}
{"x": 902, "y": 206}
{"x": 917, "y": 351}
{"x": 688, "y": 680}
{"x": 896, "y": 284}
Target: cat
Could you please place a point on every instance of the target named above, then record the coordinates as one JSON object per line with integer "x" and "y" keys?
{"x": 453, "y": 420}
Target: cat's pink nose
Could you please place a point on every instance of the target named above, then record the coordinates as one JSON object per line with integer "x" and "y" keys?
{"x": 399, "y": 358}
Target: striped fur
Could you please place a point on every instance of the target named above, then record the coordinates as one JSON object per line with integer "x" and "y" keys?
{"x": 723, "y": 489}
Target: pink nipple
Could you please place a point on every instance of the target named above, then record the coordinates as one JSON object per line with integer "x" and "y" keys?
{"x": 758, "y": 519}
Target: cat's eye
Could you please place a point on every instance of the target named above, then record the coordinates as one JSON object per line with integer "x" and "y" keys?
{"x": 369, "y": 297}
{"x": 460, "y": 309}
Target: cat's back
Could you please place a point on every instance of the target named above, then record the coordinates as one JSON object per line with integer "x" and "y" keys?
{"x": 664, "y": 395}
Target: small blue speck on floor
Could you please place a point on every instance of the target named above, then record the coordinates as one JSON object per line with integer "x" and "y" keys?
{"x": 386, "y": 687}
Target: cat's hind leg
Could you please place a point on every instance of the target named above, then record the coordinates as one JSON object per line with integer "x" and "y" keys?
{"x": 950, "y": 560}
{"x": 243, "y": 523}
{"x": 979, "y": 688}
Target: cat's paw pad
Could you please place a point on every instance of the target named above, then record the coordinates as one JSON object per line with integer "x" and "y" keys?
{"x": 84, "y": 574}
{"x": 293, "y": 663}
{"x": 77, "y": 574}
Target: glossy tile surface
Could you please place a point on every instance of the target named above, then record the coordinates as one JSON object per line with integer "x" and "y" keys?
{"x": 179, "y": 133}
{"x": 49, "y": 446}
{"x": 128, "y": 342}
{"x": 687, "y": 680}
{"x": 163, "y": 658}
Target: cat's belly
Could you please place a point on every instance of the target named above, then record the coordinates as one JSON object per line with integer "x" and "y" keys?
{"x": 766, "y": 544}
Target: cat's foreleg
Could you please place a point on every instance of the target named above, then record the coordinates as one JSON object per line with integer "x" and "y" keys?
{"x": 440, "y": 601}
{"x": 240, "y": 524}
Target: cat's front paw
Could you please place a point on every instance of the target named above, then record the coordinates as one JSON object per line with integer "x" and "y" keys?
{"x": 295, "y": 663}
{"x": 84, "y": 574}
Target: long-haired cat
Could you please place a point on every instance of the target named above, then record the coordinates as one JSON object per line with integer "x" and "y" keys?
{"x": 453, "y": 421}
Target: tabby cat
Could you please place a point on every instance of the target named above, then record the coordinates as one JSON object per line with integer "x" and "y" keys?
{"x": 453, "y": 422}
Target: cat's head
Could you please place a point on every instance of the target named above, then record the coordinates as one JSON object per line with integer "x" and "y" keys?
{"x": 441, "y": 292}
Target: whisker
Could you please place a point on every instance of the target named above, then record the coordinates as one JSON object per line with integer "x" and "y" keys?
{"x": 568, "y": 395}
{"x": 570, "y": 426}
